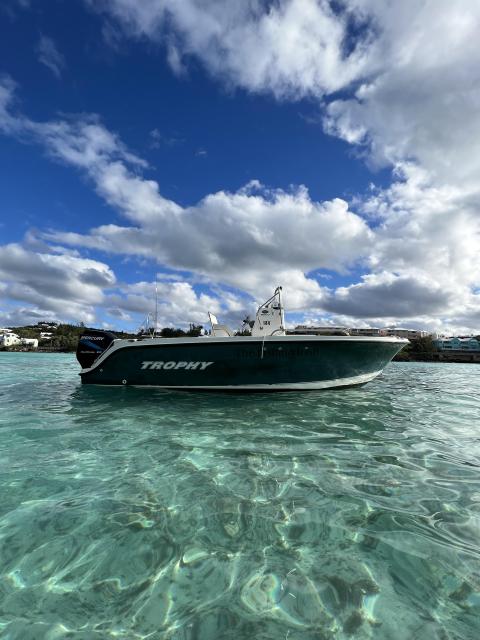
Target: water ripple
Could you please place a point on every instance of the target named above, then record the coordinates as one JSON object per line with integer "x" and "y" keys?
{"x": 136, "y": 513}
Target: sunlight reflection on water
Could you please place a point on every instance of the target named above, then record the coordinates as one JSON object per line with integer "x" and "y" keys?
{"x": 135, "y": 513}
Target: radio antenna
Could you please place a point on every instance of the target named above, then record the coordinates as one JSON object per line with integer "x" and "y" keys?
{"x": 156, "y": 306}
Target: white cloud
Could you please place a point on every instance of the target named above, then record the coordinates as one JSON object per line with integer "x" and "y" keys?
{"x": 59, "y": 284}
{"x": 178, "y": 302}
{"x": 412, "y": 68}
{"x": 174, "y": 58}
{"x": 20, "y": 316}
{"x": 50, "y": 56}
{"x": 424, "y": 263}
{"x": 11, "y": 8}
{"x": 285, "y": 48}
{"x": 423, "y": 103}
{"x": 8, "y": 123}
{"x": 389, "y": 295}
{"x": 430, "y": 228}
{"x": 159, "y": 139}
{"x": 252, "y": 239}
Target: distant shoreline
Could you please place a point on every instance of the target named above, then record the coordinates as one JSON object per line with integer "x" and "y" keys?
{"x": 439, "y": 356}
{"x": 38, "y": 350}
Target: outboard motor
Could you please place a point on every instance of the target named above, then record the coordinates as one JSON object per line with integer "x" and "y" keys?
{"x": 91, "y": 344}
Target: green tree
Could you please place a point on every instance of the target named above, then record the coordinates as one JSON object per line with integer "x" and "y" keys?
{"x": 423, "y": 345}
{"x": 170, "y": 332}
{"x": 195, "y": 330}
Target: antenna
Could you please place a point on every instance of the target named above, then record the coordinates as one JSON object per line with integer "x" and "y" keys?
{"x": 156, "y": 306}
{"x": 278, "y": 291}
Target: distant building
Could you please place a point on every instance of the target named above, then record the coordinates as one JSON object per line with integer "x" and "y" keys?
{"x": 46, "y": 335}
{"x": 319, "y": 331}
{"x": 411, "y": 334}
{"x": 457, "y": 344}
{"x": 365, "y": 331}
{"x": 9, "y": 339}
{"x": 47, "y": 325}
{"x": 29, "y": 342}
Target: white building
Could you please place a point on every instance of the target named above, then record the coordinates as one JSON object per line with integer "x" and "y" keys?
{"x": 29, "y": 342}
{"x": 9, "y": 339}
{"x": 328, "y": 330}
{"x": 365, "y": 331}
{"x": 404, "y": 333}
{"x": 389, "y": 331}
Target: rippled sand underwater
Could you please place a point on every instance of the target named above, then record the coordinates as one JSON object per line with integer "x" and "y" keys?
{"x": 136, "y": 513}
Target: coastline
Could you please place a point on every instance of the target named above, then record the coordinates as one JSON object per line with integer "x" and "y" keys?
{"x": 463, "y": 357}
{"x": 38, "y": 350}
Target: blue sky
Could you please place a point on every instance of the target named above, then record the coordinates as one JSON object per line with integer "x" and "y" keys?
{"x": 232, "y": 149}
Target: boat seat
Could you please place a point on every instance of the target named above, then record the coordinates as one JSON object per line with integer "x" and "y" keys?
{"x": 219, "y": 330}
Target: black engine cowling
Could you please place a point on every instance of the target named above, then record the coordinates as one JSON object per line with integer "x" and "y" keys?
{"x": 91, "y": 344}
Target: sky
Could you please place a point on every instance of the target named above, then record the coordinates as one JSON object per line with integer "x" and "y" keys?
{"x": 224, "y": 148}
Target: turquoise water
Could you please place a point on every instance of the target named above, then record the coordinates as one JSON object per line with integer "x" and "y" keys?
{"x": 134, "y": 513}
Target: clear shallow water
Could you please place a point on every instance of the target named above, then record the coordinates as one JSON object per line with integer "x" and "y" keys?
{"x": 133, "y": 513}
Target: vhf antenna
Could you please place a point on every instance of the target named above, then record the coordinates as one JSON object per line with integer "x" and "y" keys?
{"x": 156, "y": 306}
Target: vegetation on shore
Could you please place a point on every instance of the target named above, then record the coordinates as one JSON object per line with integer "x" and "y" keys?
{"x": 425, "y": 350}
{"x": 65, "y": 337}
{"x": 418, "y": 349}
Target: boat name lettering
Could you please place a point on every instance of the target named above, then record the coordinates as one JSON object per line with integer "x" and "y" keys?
{"x": 160, "y": 364}
{"x": 93, "y": 337}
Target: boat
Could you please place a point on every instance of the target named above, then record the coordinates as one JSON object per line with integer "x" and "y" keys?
{"x": 269, "y": 359}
